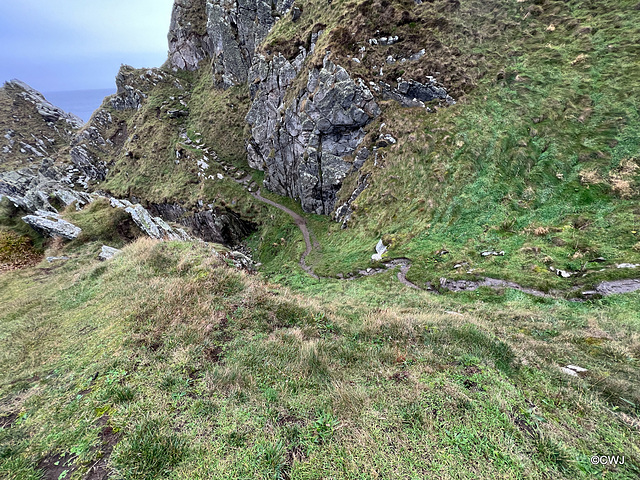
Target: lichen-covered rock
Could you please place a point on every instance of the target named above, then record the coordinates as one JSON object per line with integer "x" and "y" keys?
{"x": 52, "y": 225}
{"x": 188, "y": 40}
{"x": 127, "y": 96}
{"x": 228, "y": 31}
{"x": 381, "y": 249}
{"x": 90, "y": 167}
{"x": 235, "y": 29}
{"x": 303, "y": 147}
{"x": 34, "y": 190}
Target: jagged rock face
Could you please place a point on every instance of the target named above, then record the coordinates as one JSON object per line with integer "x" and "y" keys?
{"x": 49, "y": 112}
{"x": 214, "y": 225}
{"x": 235, "y": 30}
{"x": 31, "y": 128}
{"x": 133, "y": 86}
{"x": 51, "y": 179}
{"x": 188, "y": 40}
{"x": 304, "y": 150}
{"x": 228, "y": 31}
{"x": 154, "y": 227}
{"x": 33, "y": 190}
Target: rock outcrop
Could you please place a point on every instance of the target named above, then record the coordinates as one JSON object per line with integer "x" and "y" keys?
{"x": 188, "y": 40}
{"x": 31, "y": 128}
{"x": 133, "y": 86}
{"x": 304, "y": 146}
{"x": 39, "y": 189}
{"x": 345, "y": 211}
{"x": 49, "y": 112}
{"x": 211, "y": 225}
{"x": 410, "y": 93}
{"x": 51, "y": 225}
{"x": 227, "y": 31}
{"x": 154, "y": 227}
{"x": 236, "y": 29}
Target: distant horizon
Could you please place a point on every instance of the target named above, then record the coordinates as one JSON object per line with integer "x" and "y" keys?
{"x": 81, "y": 103}
{"x": 76, "y": 45}
{"x": 79, "y": 90}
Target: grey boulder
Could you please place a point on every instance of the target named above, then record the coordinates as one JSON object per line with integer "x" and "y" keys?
{"x": 107, "y": 253}
{"x": 52, "y": 225}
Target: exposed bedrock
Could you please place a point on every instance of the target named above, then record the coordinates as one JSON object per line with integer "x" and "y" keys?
{"x": 213, "y": 225}
{"x": 134, "y": 85}
{"x": 51, "y": 225}
{"x": 228, "y": 31}
{"x": 49, "y": 112}
{"x": 305, "y": 148}
{"x": 410, "y": 93}
{"x": 188, "y": 42}
{"x": 38, "y": 189}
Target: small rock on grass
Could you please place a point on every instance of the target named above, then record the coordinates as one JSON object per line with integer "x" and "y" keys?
{"x": 107, "y": 253}
{"x": 573, "y": 370}
{"x": 490, "y": 253}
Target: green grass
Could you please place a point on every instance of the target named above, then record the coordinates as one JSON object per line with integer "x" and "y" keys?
{"x": 201, "y": 371}
{"x": 546, "y": 142}
{"x": 166, "y": 363}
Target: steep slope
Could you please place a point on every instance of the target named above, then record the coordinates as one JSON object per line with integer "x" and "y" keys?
{"x": 487, "y": 151}
{"x": 32, "y": 128}
{"x": 539, "y": 161}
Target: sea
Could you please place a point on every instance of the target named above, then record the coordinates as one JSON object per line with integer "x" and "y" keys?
{"x": 79, "y": 102}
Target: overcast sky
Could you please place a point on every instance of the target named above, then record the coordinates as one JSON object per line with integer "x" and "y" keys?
{"x": 56, "y": 45}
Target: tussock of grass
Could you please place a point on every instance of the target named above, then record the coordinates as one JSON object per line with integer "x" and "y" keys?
{"x": 16, "y": 251}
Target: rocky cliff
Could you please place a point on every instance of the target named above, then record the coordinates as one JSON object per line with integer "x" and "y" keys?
{"x": 309, "y": 114}
{"x": 31, "y": 128}
{"x": 73, "y": 168}
{"x": 304, "y": 147}
{"x": 226, "y": 31}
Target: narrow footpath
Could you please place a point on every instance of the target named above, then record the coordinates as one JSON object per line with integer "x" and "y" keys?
{"x": 245, "y": 179}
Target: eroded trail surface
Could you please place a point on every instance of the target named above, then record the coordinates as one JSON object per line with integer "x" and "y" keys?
{"x": 604, "y": 288}
{"x": 302, "y": 225}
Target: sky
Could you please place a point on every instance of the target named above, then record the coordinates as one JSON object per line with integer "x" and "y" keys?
{"x": 62, "y": 45}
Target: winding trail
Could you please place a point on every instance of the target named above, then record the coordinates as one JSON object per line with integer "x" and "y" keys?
{"x": 605, "y": 288}
{"x": 609, "y": 287}
{"x": 302, "y": 225}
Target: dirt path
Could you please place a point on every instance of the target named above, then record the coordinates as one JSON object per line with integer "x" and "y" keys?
{"x": 404, "y": 264}
{"x": 302, "y": 225}
{"x": 602, "y": 289}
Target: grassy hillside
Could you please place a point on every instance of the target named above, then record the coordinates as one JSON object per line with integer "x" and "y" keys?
{"x": 167, "y": 363}
{"x": 539, "y": 158}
